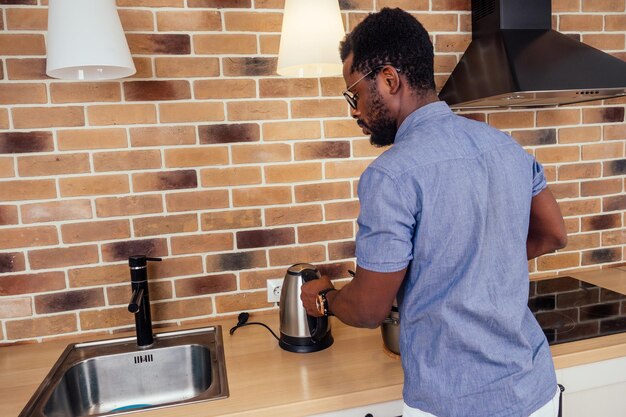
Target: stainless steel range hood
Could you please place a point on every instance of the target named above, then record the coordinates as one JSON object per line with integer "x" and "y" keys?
{"x": 516, "y": 59}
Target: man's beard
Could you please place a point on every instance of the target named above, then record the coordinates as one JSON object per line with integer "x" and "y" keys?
{"x": 383, "y": 129}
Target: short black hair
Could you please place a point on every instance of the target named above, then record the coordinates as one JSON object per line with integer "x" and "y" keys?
{"x": 392, "y": 36}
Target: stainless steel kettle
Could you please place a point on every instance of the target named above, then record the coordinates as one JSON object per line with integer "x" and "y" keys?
{"x": 300, "y": 332}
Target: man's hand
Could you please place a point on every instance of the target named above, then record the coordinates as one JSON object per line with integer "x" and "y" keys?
{"x": 308, "y": 294}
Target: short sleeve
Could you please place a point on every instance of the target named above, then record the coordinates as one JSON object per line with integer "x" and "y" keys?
{"x": 384, "y": 241}
{"x": 539, "y": 178}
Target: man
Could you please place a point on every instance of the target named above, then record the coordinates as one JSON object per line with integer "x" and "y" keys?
{"x": 449, "y": 216}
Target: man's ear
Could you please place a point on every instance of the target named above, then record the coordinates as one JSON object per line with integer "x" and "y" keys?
{"x": 391, "y": 78}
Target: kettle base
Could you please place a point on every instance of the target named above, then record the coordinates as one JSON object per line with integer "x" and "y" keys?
{"x": 304, "y": 344}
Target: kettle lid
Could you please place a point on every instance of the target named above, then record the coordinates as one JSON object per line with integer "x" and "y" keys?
{"x": 296, "y": 269}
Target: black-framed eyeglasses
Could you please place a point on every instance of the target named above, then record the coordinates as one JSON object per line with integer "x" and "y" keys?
{"x": 352, "y": 98}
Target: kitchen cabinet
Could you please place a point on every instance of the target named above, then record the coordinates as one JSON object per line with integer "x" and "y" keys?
{"x": 595, "y": 389}
{"x": 386, "y": 409}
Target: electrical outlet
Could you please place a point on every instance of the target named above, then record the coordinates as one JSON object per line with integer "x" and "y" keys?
{"x": 274, "y": 286}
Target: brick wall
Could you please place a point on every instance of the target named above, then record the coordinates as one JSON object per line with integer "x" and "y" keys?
{"x": 231, "y": 173}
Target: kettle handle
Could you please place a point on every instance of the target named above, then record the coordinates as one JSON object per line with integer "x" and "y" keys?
{"x": 317, "y": 325}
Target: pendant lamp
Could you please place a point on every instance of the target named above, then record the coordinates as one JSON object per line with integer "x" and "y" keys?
{"x": 86, "y": 41}
{"x": 309, "y": 41}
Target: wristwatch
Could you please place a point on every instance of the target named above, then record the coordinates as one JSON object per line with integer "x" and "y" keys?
{"x": 322, "y": 302}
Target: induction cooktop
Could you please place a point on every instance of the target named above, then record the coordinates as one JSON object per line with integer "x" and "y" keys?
{"x": 569, "y": 309}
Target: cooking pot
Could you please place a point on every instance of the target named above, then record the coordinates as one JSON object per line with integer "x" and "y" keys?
{"x": 390, "y": 330}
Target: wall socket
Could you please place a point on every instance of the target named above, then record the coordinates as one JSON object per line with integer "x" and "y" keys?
{"x": 274, "y": 286}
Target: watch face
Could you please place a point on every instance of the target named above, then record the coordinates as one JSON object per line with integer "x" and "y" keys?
{"x": 319, "y": 303}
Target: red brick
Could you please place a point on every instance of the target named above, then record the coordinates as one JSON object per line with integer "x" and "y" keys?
{"x": 31, "y": 283}
{"x": 156, "y": 90}
{"x": 604, "y": 255}
{"x": 166, "y": 180}
{"x": 252, "y": 22}
{"x": 22, "y": 93}
{"x": 12, "y": 262}
{"x": 70, "y": 300}
{"x": 233, "y": 219}
{"x": 41, "y": 326}
{"x": 341, "y": 250}
{"x": 196, "y": 156}
{"x": 266, "y": 237}
{"x": 321, "y": 192}
{"x": 196, "y": 20}
{"x": 79, "y": 92}
{"x": 159, "y": 44}
{"x": 602, "y": 187}
{"x": 60, "y": 257}
{"x": 8, "y": 215}
{"x": 260, "y": 153}
{"x": 162, "y": 225}
{"x": 79, "y": 139}
{"x": 322, "y": 150}
{"x": 26, "y": 69}
{"x": 56, "y": 211}
{"x": 162, "y": 136}
{"x": 342, "y": 211}
{"x": 293, "y": 215}
{"x": 258, "y": 279}
{"x": 120, "y": 251}
{"x": 100, "y": 275}
{"x": 325, "y": 232}
{"x": 214, "y": 242}
{"x": 45, "y": 165}
{"x": 241, "y": 301}
{"x": 187, "y": 67}
{"x": 95, "y": 231}
{"x": 16, "y": 307}
{"x": 261, "y": 196}
{"x": 196, "y": 200}
{"x": 23, "y": 237}
{"x": 94, "y": 185}
{"x": 236, "y": 261}
{"x": 126, "y": 160}
{"x": 217, "y": 177}
{"x": 22, "y": 44}
{"x": 175, "y": 267}
{"x": 105, "y": 318}
{"x": 300, "y": 253}
{"x": 121, "y": 114}
{"x": 128, "y": 206}
{"x": 209, "y": 284}
{"x": 225, "y": 44}
{"x": 38, "y": 117}
{"x": 285, "y": 173}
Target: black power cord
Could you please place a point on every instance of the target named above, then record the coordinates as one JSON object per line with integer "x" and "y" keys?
{"x": 242, "y": 321}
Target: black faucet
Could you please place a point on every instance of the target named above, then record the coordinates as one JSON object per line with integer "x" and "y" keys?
{"x": 140, "y": 300}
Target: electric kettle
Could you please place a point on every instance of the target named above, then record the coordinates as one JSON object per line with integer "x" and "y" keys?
{"x": 300, "y": 332}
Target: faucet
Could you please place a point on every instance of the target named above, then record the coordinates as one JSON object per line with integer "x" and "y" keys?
{"x": 140, "y": 300}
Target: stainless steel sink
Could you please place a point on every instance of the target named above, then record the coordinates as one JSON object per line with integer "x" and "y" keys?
{"x": 113, "y": 377}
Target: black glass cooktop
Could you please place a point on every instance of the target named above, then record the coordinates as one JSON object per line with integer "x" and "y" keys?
{"x": 568, "y": 309}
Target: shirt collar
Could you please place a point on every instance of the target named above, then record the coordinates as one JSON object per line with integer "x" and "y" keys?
{"x": 422, "y": 114}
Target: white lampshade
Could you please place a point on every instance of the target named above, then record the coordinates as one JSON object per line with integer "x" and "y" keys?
{"x": 309, "y": 42}
{"x": 86, "y": 41}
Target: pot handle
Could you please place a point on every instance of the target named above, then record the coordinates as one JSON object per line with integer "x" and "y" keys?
{"x": 317, "y": 325}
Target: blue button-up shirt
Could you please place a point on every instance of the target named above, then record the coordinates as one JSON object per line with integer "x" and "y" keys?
{"x": 451, "y": 202}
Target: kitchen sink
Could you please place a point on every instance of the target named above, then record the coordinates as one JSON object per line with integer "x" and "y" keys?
{"x": 115, "y": 376}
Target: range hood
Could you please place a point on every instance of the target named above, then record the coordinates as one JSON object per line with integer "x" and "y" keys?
{"x": 516, "y": 59}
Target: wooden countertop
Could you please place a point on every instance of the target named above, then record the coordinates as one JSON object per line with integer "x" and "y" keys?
{"x": 264, "y": 380}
